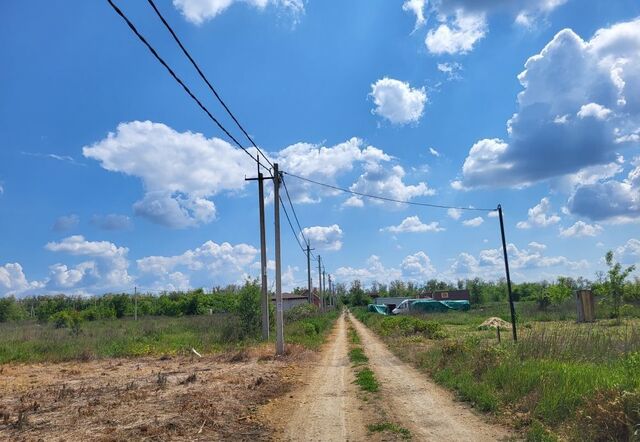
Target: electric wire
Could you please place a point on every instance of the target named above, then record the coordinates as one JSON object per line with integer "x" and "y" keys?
{"x": 176, "y": 78}
{"x": 294, "y": 210}
{"x": 384, "y": 198}
{"x": 293, "y": 230}
{"x": 204, "y": 78}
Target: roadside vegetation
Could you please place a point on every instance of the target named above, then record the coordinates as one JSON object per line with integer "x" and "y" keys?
{"x": 366, "y": 380}
{"x": 66, "y": 333}
{"x": 561, "y": 380}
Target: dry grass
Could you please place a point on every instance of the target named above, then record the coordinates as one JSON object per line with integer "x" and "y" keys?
{"x": 179, "y": 398}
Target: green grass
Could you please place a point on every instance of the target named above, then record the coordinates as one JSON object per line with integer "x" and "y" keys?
{"x": 549, "y": 377}
{"x": 353, "y": 336}
{"x": 391, "y": 427}
{"x": 367, "y": 380}
{"x": 29, "y": 341}
{"x": 357, "y": 356}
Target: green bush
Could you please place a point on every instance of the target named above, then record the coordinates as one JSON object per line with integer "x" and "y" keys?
{"x": 70, "y": 319}
{"x": 302, "y": 311}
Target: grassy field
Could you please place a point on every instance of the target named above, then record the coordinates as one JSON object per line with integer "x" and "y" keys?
{"x": 31, "y": 341}
{"x": 562, "y": 379}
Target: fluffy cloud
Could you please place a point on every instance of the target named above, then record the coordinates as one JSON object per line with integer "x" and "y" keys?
{"x": 618, "y": 201}
{"x": 373, "y": 271}
{"x": 199, "y": 11}
{"x": 490, "y": 264}
{"x": 66, "y": 223}
{"x": 451, "y": 70}
{"x": 204, "y": 266}
{"x": 13, "y": 280}
{"x": 107, "y": 267}
{"x": 434, "y": 152}
{"x": 180, "y": 170}
{"x": 579, "y": 106}
{"x": 580, "y": 229}
{"x": 111, "y": 221}
{"x": 417, "y": 267}
{"x": 454, "y": 213}
{"x": 388, "y": 182}
{"x": 629, "y": 253}
{"x": 539, "y": 216}
{"x": 413, "y": 224}
{"x": 324, "y": 237}
{"x": 457, "y": 36}
{"x": 417, "y": 8}
{"x": 397, "y": 101}
{"x": 473, "y": 222}
{"x": 537, "y": 245}
{"x": 462, "y": 23}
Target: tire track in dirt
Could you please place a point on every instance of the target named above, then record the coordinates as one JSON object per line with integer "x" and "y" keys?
{"x": 426, "y": 409}
{"x": 327, "y": 407}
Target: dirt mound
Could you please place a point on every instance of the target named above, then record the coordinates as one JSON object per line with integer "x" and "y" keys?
{"x": 494, "y": 322}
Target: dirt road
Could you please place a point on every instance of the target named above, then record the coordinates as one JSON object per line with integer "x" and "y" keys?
{"x": 426, "y": 409}
{"x": 327, "y": 408}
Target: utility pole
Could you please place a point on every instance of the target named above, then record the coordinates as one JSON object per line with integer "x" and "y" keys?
{"x": 135, "y": 303}
{"x": 320, "y": 282}
{"x": 309, "y": 272}
{"x": 330, "y": 293}
{"x": 264, "y": 304}
{"x": 506, "y": 267}
{"x": 324, "y": 289}
{"x": 279, "y": 307}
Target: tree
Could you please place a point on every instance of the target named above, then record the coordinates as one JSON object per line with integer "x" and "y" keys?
{"x": 612, "y": 288}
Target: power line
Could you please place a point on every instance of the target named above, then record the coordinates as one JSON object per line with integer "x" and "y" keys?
{"x": 284, "y": 207}
{"x": 384, "y": 198}
{"x": 204, "y": 78}
{"x": 176, "y": 78}
{"x": 294, "y": 211}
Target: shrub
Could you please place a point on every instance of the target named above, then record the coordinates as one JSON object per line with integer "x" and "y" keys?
{"x": 248, "y": 308}
{"x": 302, "y": 311}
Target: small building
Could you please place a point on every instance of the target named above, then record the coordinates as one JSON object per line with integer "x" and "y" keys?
{"x": 447, "y": 295}
{"x": 290, "y": 300}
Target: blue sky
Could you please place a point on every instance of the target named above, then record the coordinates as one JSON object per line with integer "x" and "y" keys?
{"x": 111, "y": 177}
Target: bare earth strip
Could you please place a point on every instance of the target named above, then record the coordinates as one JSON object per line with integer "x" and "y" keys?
{"x": 327, "y": 408}
{"x": 426, "y": 409}
{"x": 179, "y": 399}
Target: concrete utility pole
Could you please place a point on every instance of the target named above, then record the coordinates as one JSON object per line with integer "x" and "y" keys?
{"x": 324, "y": 288}
{"x": 264, "y": 292}
{"x": 506, "y": 267}
{"x": 320, "y": 282}
{"x": 135, "y": 303}
{"x": 309, "y": 273}
{"x": 279, "y": 307}
{"x": 330, "y": 293}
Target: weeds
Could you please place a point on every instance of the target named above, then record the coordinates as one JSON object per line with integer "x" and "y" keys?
{"x": 391, "y": 427}
{"x": 367, "y": 380}
{"x": 357, "y": 356}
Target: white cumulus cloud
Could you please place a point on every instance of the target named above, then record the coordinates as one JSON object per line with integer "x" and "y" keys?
{"x": 324, "y": 237}
{"x": 180, "y": 171}
{"x": 580, "y": 229}
{"x": 413, "y": 224}
{"x": 397, "y": 101}
{"x": 539, "y": 216}
{"x": 199, "y": 11}
{"x": 597, "y": 80}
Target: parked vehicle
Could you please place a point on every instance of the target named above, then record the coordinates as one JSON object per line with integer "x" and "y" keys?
{"x": 429, "y": 306}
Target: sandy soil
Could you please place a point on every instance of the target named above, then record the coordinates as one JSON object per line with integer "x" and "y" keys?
{"x": 326, "y": 407}
{"x": 415, "y": 402}
{"x": 183, "y": 398}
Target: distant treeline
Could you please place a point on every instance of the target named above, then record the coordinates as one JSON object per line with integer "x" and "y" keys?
{"x": 230, "y": 298}
{"x": 545, "y": 293}
{"x": 119, "y": 305}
